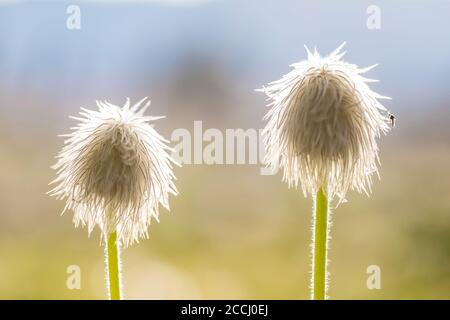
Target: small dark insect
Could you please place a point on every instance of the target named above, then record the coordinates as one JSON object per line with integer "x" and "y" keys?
{"x": 392, "y": 118}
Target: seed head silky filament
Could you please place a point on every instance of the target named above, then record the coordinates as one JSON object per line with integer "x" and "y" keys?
{"x": 113, "y": 172}
{"x": 322, "y": 128}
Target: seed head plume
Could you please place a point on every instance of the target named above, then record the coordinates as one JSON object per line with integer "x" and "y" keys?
{"x": 114, "y": 171}
{"x": 323, "y": 124}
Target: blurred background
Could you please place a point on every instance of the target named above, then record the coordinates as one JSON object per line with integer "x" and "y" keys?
{"x": 231, "y": 233}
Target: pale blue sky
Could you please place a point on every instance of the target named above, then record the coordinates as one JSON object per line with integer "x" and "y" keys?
{"x": 121, "y": 45}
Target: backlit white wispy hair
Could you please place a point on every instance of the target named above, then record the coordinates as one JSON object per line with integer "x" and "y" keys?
{"x": 114, "y": 170}
{"x": 322, "y": 125}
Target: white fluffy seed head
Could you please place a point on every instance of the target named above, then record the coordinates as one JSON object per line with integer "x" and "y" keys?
{"x": 322, "y": 125}
{"x": 114, "y": 170}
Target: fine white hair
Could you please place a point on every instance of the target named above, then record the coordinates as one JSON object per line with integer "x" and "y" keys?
{"x": 114, "y": 171}
{"x": 323, "y": 124}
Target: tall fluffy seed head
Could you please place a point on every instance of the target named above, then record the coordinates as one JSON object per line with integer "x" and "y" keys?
{"x": 114, "y": 170}
{"x": 322, "y": 125}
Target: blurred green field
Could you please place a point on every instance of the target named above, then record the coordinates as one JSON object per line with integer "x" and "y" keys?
{"x": 233, "y": 233}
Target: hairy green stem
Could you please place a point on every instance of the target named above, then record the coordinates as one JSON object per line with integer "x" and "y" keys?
{"x": 113, "y": 265}
{"x": 320, "y": 247}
